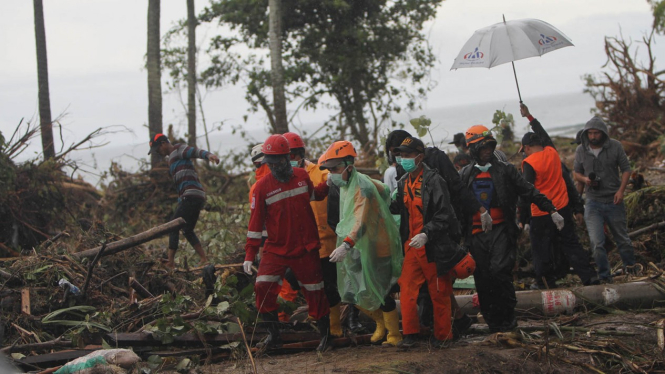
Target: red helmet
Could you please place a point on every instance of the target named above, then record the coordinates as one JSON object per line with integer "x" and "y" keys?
{"x": 295, "y": 141}
{"x": 276, "y": 145}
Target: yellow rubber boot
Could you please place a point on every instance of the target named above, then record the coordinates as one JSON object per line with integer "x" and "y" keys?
{"x": 392, "y": 324}
{"x": 335, "y": 324}
{"x": 377, "y": 316}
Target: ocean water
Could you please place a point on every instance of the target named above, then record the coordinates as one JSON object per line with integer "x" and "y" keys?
{"x": 561, "y": 114}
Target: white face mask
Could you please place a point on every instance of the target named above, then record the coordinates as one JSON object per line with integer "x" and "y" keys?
{"x": 484, "y": 168}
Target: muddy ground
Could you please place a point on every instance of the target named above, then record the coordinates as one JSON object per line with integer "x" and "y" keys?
{"x": 630, "y": 346}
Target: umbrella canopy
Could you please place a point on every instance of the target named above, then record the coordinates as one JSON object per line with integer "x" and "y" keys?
{"x": 510, "y": 41}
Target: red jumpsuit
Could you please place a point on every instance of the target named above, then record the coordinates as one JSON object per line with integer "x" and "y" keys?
{"x": 293, "y": 240}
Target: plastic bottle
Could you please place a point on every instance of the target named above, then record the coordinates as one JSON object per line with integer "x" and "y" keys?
{"x": 64, "y": 283}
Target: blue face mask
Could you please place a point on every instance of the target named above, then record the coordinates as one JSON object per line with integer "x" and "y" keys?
{"x": 294, "y": 163}
{"x": 398, "y": 159}
{"x": 484, "y": 168}
{"x": 409, "y": 164}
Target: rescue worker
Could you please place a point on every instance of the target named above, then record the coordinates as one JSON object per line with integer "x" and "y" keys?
{"x": 496, "y": 185}
{"x": 368, "y": 255}
{"x": 432, "y": 255}
{"x": 191, "y": 196}
{"x": 465, "y": 205}
{"x": 543, "y": 168}
{"x": 281, "y": 203}
{"x": 286, "y": 293}
{"x": 327, "y": 236}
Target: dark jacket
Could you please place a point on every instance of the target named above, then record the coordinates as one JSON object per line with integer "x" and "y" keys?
{"x": 333, "y": 207}
{"x": 608, "y": 166}
{"x": 509, "y": 185}
{"x": 439, "y": 221}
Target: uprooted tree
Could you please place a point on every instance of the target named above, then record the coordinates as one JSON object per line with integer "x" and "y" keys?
{"x": 630, "y": 94}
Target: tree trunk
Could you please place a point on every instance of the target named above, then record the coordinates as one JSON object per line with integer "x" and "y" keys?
{"x": 154, "y": 77}
{"x": 191, "y": 73}
{"x": 45, "y": 124}
{"x": 275, "y": 34}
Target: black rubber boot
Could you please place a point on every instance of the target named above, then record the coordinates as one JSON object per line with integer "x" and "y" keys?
{"x": 323, "y": 324}
{"x": 460, "y": 326}
{"x": 209, "y": 280}
{"x": 273, "y": 340}
{"x": 353, "y": 320}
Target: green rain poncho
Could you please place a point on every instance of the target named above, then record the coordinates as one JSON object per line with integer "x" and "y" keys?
{"x": 374, "y": 264}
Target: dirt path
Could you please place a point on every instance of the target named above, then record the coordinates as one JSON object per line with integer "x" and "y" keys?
{"x": 523, "y": 352}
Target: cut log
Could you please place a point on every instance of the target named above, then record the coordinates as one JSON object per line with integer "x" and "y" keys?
{"x": 634, "y": 295}
{"x": 132, "y": 241}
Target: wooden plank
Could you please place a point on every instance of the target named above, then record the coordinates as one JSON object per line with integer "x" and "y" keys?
{"x": 146, "y": 339}
{"x": 25, "y": 300}
{"x": 52, "y": 359}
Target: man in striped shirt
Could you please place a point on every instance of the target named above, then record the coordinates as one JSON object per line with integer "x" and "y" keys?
{"x": 191, "y": 196}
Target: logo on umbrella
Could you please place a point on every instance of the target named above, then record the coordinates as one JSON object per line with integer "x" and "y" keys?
{"x": 475, "y": 55}
{"x": 545, "y": 40}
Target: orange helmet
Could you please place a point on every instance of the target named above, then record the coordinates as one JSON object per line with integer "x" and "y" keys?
{"x": 477, "y": 133}
{"x": 276, "y": 145}
{"x": 336, "y": 153}
{"x": 295, "y": 141}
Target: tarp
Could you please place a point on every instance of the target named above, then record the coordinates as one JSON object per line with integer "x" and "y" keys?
{"x": 374, "y": 264}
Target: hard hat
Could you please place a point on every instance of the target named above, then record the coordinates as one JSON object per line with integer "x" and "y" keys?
{"x": 276, "y": 145}
{"x": 257, "y": 153}
{"x": 336, "y": 153}
{"x": 295, "y": 141}
{"x": 477, "y": 133}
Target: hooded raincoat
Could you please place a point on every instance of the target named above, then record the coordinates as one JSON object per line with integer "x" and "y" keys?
{"x": 374, "y": 264}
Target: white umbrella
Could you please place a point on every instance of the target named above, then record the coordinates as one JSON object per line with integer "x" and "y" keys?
{"x": 510, "y": 41}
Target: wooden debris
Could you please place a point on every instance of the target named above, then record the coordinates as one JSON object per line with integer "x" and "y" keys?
{"x": 132, "y": 241}
{"x": 25, "y": 300}
{"x": 138, "y": 287}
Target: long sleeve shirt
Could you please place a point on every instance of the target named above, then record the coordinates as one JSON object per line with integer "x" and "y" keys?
{"x": 183, "y": 173}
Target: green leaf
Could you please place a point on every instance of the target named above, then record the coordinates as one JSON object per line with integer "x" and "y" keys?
{"x": 106, "y": 345}
{"x": 182, "y": 365}
{"x": 18, "y": 356}
{"x": 223, "y": 307}
{"x": 78, "y": 308}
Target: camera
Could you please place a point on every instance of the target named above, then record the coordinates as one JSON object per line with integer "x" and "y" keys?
{"x": 595, "y": 180}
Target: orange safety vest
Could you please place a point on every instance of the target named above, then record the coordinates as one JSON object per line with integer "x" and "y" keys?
{"x": 413, "y": 201}
{"x": 261, "y": 172}
{"x": 549, "y": 180}
{"x": 327, "y": 236}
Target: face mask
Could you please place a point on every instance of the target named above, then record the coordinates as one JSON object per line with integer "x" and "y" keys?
{"x": 484, "y": 168}
{"x": 460, "y": 149}
{"x": 409, "y": 164}
{"x": 398, "y": 159}
{"x": 294, "y": 163}
{"x": 337, "y": 180}
{"x": 281, "y": 171}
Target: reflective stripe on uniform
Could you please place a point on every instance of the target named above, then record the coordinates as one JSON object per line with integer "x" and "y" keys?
{"x": 269, "y": 278}
{"x": 287, "y": 194}
{"x": 312, "y": 286}
{"x": 254, "y": 234}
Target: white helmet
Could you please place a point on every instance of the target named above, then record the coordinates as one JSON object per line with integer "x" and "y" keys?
{"x": 257, "y": 153}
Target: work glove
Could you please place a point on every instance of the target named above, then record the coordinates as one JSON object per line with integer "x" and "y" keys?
{"x": 340, "y": 252}
{"x": 486, "y": 221}
{"x": 419, "y": 240}
{"x": 247, "y": 266}
{"x": 558, "y": 220}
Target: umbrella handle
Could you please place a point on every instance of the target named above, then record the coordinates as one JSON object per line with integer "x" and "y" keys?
{"x": 516, "y": 83}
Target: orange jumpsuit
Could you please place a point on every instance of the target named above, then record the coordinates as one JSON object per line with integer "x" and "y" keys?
{"x": 416, "y": 271}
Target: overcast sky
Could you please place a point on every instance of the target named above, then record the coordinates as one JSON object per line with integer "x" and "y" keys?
{"x": 96, "y": 54}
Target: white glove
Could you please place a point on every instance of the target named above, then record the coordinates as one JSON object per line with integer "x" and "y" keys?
{"x": 247, "y": 266}
{"x": 419, "y": 240}
{"x": 527, "y": 227}
{"x": 558, "y": 220}
{"x": 340, "y": 252}
{"x": 486, "y": 221}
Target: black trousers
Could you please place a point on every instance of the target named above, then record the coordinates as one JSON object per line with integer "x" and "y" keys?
{"x": 189, "y": 209}
{"x": 495, "y": 254}
{"x": 548, "y": 244}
